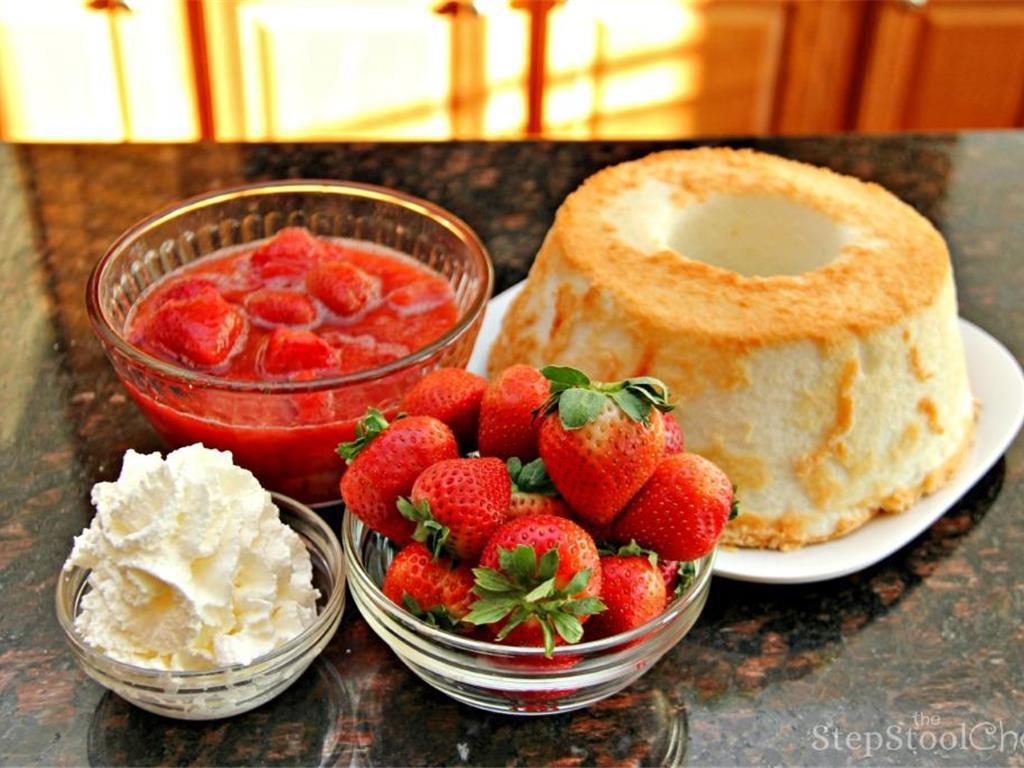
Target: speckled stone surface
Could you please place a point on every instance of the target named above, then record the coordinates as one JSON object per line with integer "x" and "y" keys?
{"x": 928, "y": 643}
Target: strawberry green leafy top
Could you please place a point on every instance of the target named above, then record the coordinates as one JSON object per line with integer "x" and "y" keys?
{"x": 367, "y": 428}
{"x": 629, "y": 550}
{"x": 429, "y": 532}
{"x": 523, "y": 588}
{"x": 579, "y": 400}
{"x": 531, "y": 477}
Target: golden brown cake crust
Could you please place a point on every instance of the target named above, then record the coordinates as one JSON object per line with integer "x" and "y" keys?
{"x": 789, "y": 531}
{"x": 857, "y": 292}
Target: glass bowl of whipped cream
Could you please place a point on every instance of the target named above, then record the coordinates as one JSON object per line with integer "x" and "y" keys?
{"x": 225, "y": 633}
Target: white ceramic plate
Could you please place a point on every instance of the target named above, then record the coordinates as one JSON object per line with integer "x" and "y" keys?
{"x": 997, "y": 384}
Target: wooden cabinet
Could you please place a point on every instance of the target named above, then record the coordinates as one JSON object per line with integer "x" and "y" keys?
{"x": 680, "y": 68}
{"x": 391, "y": 69}
{"x": 315, "y": 70}
{"x": 69, "y": 72}
{"x": 820, "y": 66}
{"x": 944, "y": 65}
{"x": 662, "y": 68}
{"x": 178, "y": 70}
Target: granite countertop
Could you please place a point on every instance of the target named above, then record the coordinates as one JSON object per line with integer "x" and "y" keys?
{"x": 928, "y": 641}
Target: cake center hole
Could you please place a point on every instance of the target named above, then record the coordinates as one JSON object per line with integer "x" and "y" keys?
{"x": 757, "y": 235}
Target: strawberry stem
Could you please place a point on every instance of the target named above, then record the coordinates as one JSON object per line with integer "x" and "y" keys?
{"x": 530, "y": 478}
{"x": 367, "y": 429}
{"x": 685, "y": 574}
{"x": 435, "y": 616}
{"x": 523, "y": 588}
{"x": 579, "y": 400}
{"x": 629, "y": 550}
{"x": 429, "y": 532}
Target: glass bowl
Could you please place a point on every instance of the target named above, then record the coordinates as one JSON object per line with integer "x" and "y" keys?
{"x": 284, "y": 432}
{"x": 503, "y": 678}
{"x": 225, "y": 691}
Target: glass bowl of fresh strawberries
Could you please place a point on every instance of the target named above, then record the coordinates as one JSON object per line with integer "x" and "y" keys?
{"x": 531, "y": 544}
{"x": 264, "y": 319}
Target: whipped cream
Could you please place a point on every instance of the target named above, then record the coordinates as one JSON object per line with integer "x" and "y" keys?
{"x": 191, "y": 566}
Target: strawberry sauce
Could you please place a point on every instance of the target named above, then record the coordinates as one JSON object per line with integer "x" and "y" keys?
{"x": 293, "y": 308}
{"x": 296, "y": 307}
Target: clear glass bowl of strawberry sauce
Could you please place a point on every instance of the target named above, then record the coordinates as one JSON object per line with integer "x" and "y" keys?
{"x": 282, "y": 419}
{"x": 505, "y": 678}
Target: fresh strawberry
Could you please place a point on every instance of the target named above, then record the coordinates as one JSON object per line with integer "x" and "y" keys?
{"x": 289, "y": 351}
{"x": 434, "y": 589}
{"x": 669, "y": 570}
{"x": 633, "y": 592}
{"x": 383, "y": 463}
{"x": 285, "y": 307}
{"x": 533, "y": 493}
{"x": 601, "y": 534}
{"x": 344, "y": 288}
{"x": 681, "y": 511}
{"x": 457, "y": 504}
{"x": 290, "y": 253}
{"x": 539, "y": 579}
{"x": 673, "y": 435}
{"x": 200, "y": 330}
{"x": 415, "y": 573}
{"x": 678, "y": 576}
{"x": 451, "y": 395}
{"x": 604, "y": 442}
{"x": 508, "y": 424}
{"x": 457, "y": 595}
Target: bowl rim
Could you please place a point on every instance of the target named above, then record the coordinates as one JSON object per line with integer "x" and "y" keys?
{"x": 124, "y": 670}
{"x": 673, "y": 610}
{"x": 108, "y": 335}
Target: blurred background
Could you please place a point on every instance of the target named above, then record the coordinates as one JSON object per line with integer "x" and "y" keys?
{"x": 257, "y": 70}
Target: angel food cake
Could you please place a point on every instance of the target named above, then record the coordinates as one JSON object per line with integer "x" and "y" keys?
{"x": 805, "y": 321}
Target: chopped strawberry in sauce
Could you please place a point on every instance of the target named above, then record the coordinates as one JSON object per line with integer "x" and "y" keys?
{"x": 357, "y": 353}
{"x": 422, "y": 295}
{"x": 292, "y": 351}
{"x": 285, "y": 307}
{"x": 343, "y": 288}
{"x": 188, "y": 288}
{"x": 311, "y": 308}
{"x": 292, "y": 251}
{"x": 200, "y": 330}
